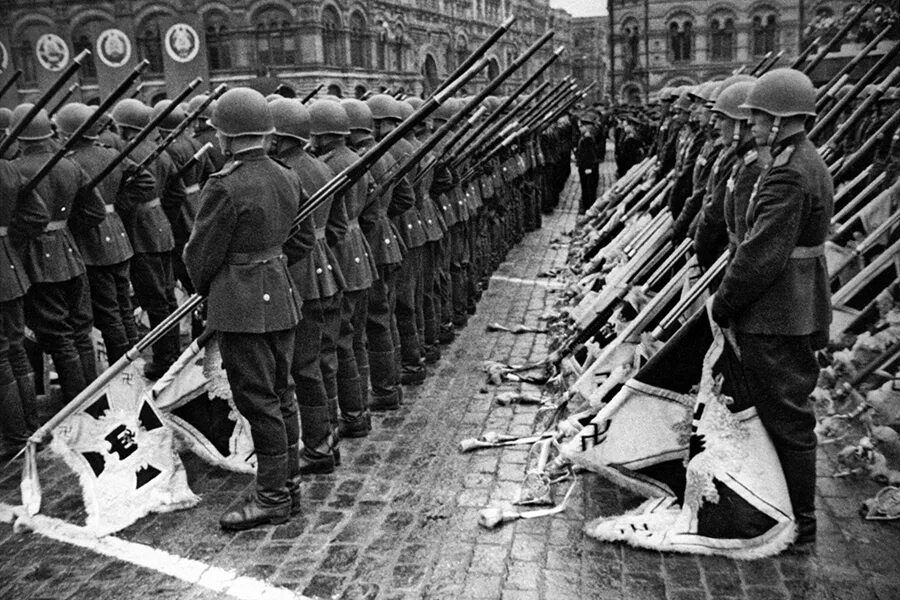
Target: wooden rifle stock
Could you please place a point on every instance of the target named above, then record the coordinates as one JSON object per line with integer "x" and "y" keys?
{"x": 886, "y": 129}
{"x": 839, "y": 78}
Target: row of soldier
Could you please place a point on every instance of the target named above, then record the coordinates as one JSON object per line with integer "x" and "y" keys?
{"x": 379, "y": 276}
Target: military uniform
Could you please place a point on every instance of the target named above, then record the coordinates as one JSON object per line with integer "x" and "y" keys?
{"x": 58, "y": 304}
{"x": 22, "y": 217}
{"x": 588, "y": 161}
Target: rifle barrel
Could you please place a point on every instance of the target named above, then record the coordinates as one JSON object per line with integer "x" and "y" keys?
{"x": 10, "y": 82}
{"x": 848, "y": 67}
{"x": 64, "y": 99}
{"x": 476, "y": 54}
{"x": 838, "y": 37}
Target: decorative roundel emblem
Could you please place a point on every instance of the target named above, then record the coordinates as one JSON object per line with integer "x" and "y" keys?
{"x": 182, "y": 42}
{"x": 114, "y": 48}
{"x": 4, "y": 57}
{"x": 52, "y": 52}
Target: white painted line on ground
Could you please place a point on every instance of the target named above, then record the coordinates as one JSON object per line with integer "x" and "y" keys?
{"x": 215, "y": 579}
{"x": 546, "y": 282}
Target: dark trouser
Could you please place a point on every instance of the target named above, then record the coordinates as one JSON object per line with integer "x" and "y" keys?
{"x": 60, "y": 316}
{"x": 112, "y": 308}
{"x": 409, "y": 283}
{"x": 379, "y": 334}
{"x": 444, "y": 281}
{"x": 351, "y": 349}
{"x": 779, "y": 372}
{"x": 258, "y": 367}
{"x": 459, "y": 264}
{"x": 154, "y": 290}
{"x": 431, "y": 301}
{"x": 589, "y": 183}
{"x": 331, "y": 331}
{"x": 18, "y": 412}
{"x": 305, "y": 366}
{"x": 13, "y": 359}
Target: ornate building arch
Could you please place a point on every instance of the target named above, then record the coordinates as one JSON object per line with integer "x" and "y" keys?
{"x": 359, "y": 39}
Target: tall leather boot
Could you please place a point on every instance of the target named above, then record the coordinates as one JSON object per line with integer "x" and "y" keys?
{"x": 293, "y": 480}
{"x": 271, "y": 504}
{"x": 412, "y": 369}
{"x": 800, "y": 472}
{"x": 13, "y": 426}
{"x": 385, "y": 391}
{"x": 352, "y": 422}
{"x": 71, "y": 375}
{"x": 317, "y": 456}
{"x": 28, "y": 395}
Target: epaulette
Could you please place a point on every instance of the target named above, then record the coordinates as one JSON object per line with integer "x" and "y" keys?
{"x": 783, "y": 157}
{"x": 751, "y": 157}
{"x": 228, "y": 169}
{"x": 281, "y": 162}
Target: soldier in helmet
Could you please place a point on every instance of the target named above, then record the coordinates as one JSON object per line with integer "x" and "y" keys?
{"x": 386, "y": 115}
{"x": 152, "y": 274}
{"x": 58, "y": 305}
{"x": 329, "y": 126}
{"x": 204, "y": 132}
{"x": 319, "y": 281}
{"x": 387, "y": 249}
{"x": 774, "y": 295}
{"x": 22, "y": 217}
{"x": 106, "y": 248}
{"x": 238, "y": 256}
{"x": 5, "y": 118}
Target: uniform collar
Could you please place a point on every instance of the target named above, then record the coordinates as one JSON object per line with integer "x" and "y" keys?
{"x": 790, "y": 140}
{"x": 41, "y": 147}
{"x": 255, "y": 153}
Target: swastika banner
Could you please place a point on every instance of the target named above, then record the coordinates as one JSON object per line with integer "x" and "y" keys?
{"x": 122, "y": 450}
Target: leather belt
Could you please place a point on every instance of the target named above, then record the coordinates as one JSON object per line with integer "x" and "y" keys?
{"x": 320, "y": 233}
{"x": 193, "y": 189}
{"x": 255, "y": 257}
{"x": 110, "y": 208}
{"x": 808, "y": 251}
{"x": 152, "y": 203}
{"x": 4, "y": 231}
{"x": 353, "y": 224}
{"x": 55, "y": 226}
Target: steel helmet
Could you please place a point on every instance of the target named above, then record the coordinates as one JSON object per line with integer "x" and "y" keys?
{"x": 291, "y": 118}
{"x": 131, "y": 113}
{"x": 242, "y": 111}
{"x": 39, "y": 128}
{"x": 730, "y": 101}
{"x": 666, "y": 94}
{"x": 415, "y": 102}
{"x": 359, "y": 114}
{"x": 5, "y": 117}
{"x": 195, "y": 103}
{"x": 683, "y": 102}
{"x": 445, "y": 111}
{"x": 384, "y": 107}
{"x": 72, "y": 116}
{"x": 173, "y": 119}
{"x": 326, "y": 116}
{"x": 783, "y": 93}
{"x": 406, "y": 109}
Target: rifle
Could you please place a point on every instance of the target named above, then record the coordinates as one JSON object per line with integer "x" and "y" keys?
{"x": 470, "y": 61}
{"x": 828, "y": 149}
{"x": 801, "y": 58}
{"x": 312, "y": 94}
{"x": 755, "y": 70}
{"x": 75, "y": 86}
{"x": 506, "y": 103}
{"x": 143, "y": 133}
{"x": 194, "y": 159}
{"x": 43, "y": 101}
{"x": 836, "y": 82}
{"x": 10, "y": 82}
{"x": 825, "y": 98}
{"x": 865, "y": 80}
{"x": 834, "y": 41}
{"x": 768, "y": 66}
{"x": 885, "y": 130}
{"x": 432, "y": 141}
{"x": 173, "y": 135}
{"x": 85, "y": 127}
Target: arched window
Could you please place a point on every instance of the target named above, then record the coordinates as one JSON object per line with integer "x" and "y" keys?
{"x": 721, "y": 43}
{"x": 26, "y": 59}
{"x": 764, "y": 30}
{"x": 276, "y": 42}
{"x": 450, "y": 57}
{"x": 149, "y": 45}
{"x": 493, "y": 69}
{"x": 381, "y": 49}
{"x": 681, "y": 41}
{"x": 81, "y": 40}
{"x": 359, "y": 55}
{"x": 332, "y": 46}
{"x": 430, "y": 74}
{"x": 218, "y": 48}
{"x": 462, "y": 50}
{"x": 398, "y": 50}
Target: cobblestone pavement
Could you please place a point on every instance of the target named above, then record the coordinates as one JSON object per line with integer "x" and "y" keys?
{"x": 399, "y": 519}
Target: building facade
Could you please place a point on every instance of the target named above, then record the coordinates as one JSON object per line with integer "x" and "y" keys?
{"x": 347, "y": 45}
{"x": 658, "y": 43}
{"x": 590, "y": 54}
